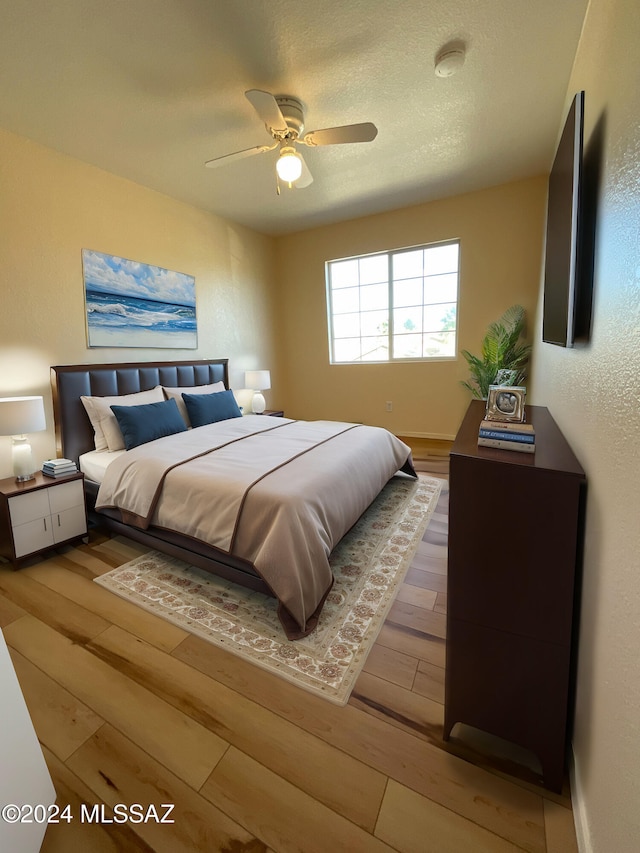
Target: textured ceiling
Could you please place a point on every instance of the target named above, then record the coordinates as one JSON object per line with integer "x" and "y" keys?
{"x": 151, "y": 89}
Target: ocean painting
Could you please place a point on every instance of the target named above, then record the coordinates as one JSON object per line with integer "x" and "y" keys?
{"x": 130, "y": 304}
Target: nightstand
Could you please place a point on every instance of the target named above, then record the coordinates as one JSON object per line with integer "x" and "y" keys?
{"x": 40, "y": 514}
{"x": 274, "y": 413}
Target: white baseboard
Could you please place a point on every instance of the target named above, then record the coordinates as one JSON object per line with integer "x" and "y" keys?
{"x": 579, "y": 809}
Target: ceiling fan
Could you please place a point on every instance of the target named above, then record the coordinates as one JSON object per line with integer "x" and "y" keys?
{"x": 283, "y": 116}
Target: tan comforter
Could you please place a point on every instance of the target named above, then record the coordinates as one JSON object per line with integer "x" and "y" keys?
{"x": 276, "y": 492}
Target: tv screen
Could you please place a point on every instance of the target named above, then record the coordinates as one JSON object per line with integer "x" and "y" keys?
{"x": 561, "y": 272}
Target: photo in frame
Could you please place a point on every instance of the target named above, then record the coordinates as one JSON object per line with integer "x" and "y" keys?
{"x": 506, "y": 403}
{"x": 132, "y": 304}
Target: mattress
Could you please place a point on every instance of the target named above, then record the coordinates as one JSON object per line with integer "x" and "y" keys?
{"x": 94, "y": 464}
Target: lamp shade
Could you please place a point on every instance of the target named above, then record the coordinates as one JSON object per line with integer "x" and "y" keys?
{"x": 258, "y": 380}
{"x": 19, "y": 415}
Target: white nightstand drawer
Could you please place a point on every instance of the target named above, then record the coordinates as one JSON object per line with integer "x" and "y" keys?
{"x": 33, "y": 536}
{"x": 69, "y": 523}
{"x": 29, "y": 507}
{"x": 66, "y": 495}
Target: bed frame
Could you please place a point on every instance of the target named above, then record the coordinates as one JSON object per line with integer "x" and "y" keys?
{"x": 74, "y": 436}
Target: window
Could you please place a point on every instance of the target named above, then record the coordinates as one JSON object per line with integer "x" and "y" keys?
{"x": 394, "y": 306}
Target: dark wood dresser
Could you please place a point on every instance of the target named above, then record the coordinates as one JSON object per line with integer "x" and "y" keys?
{"x": 515, "y": 529}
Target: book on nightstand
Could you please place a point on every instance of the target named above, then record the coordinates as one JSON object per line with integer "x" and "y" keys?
{"x": 59, "y": 467}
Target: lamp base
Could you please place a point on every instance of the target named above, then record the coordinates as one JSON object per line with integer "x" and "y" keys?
{"x": 258, "y": 404}
{"x": 24, "y": 465}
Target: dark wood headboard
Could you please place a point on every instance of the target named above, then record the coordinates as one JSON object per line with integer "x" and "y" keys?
{"x": 69, "y": 382}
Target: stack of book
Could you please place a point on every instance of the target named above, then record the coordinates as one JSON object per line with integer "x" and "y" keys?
{"x": 507, "y": 435}
{"x": 59, "y": 467}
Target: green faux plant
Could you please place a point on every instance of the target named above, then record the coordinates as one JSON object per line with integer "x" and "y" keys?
{"x": 504, "y": 357}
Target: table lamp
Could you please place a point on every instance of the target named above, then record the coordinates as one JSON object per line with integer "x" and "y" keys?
{"x": 19, "y": 415}
{"x": 258, "y": 381}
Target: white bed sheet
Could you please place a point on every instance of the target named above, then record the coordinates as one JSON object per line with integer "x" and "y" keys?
{"x": 94, "y": 464}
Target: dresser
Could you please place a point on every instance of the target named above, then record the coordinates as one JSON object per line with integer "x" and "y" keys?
{"x": 515, "y": 529}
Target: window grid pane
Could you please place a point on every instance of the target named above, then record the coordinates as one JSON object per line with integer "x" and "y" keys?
{"x": 394, "y": 305}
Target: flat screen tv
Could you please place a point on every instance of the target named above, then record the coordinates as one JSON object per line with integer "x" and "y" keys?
{"x": 561, "y": 319}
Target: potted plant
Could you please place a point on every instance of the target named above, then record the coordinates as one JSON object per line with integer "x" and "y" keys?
{"x": 504, "y": 357}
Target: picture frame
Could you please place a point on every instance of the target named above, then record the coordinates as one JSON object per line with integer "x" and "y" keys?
{"x": 134, "y": 304}
{"x": 506, "y": 403}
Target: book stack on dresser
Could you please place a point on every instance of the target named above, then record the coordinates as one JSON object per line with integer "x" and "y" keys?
{"x": 507, "y": 435}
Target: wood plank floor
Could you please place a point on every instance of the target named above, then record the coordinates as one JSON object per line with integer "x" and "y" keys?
{"x": 131, "y": 709}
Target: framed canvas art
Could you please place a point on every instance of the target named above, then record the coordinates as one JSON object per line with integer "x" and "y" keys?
{"x": 131, "y": 304}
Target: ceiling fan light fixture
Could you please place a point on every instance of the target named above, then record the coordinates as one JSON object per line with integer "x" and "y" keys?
{"x": 283, "y": 118}
{"x": 289, "y": 164}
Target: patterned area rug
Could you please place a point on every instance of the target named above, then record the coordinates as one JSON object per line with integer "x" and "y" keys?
{"x": 369, "y": 564}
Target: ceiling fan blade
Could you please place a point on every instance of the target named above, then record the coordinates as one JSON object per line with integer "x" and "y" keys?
{"x": 267, "y": 108}
{"x": 238, "y": 155}
{"x": 364, "y": 132}
{"x": 305, "y": 178}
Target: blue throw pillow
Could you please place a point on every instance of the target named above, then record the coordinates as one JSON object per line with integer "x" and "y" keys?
{"x": 140, "y": 424}
{"x": 209, "y": 408}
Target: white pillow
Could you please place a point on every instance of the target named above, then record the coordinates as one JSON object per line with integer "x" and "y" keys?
{"x": 104, "y": 423}
{"x": 176, "y": 394}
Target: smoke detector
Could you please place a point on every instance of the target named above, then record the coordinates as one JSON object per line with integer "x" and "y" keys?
{"x": 449, "y": 61}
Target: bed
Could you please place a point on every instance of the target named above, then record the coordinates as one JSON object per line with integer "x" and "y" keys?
{"x": 257, "y": 500}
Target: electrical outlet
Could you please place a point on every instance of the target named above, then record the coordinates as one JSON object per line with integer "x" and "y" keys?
{"x": 389, "y": 406}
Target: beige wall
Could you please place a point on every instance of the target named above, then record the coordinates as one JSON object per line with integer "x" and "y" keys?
{"x": 594, "y": 394}
{"x": 501, "y": 235}
{"x": 51, "y": 207}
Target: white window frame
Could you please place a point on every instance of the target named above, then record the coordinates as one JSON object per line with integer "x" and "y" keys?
{"x": 390, "y": 254}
